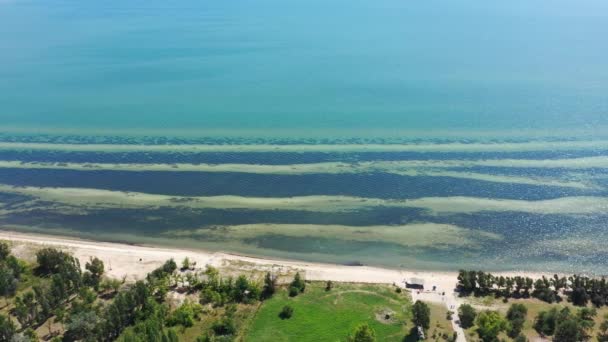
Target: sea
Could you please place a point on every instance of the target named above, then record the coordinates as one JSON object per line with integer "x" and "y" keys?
{"x": 404, "y": 134}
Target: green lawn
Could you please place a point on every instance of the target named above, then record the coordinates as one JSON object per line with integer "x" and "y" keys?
{"x": 331, "y": 316}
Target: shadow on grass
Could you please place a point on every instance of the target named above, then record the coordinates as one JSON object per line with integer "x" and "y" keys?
{"x": 412, "y": 336}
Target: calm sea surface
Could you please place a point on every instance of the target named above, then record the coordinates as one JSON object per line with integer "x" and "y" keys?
{"x": 415, "y": 134}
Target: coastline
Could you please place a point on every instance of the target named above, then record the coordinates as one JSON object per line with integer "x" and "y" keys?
{"x": 133, "y": 262}
{"x": 122, "y": 257}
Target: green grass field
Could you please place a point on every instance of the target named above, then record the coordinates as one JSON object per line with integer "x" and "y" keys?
{"x": 321, "y": 315}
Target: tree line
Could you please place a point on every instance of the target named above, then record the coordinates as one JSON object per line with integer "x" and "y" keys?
{"x": 580, "y": 290}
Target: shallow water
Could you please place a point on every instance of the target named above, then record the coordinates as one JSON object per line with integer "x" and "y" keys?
{"x": 394, "y": 133}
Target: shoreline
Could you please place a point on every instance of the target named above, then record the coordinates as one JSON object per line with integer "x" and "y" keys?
{"x": 133, "y": 262}
{"x": 119, "y": 256}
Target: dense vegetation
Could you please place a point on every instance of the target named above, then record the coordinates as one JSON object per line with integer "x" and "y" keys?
{"x": 560, "y": 323}
{"x": 89, "y": 307}
{"x": 579, "y": 290}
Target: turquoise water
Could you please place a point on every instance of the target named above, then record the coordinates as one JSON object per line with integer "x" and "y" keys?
{"x": 270, "y": 65}
{"x": 428, "y": 134}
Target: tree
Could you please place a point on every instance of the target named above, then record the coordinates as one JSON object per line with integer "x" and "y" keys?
{"x": 467, "y": 315}
{"x": 7, "y": 329}
{"x": 185, "y": 315}
{"x": 26, "y": 308}
{"x": 186, "y": 264}
{"x": 298, "y": 283}
{"x": 363, "y": 333}
{"x": 568, "y": 331}
{"x": 517, "y": 317}
{"x": 8, "y": 282}
{"x": 602, "y": 335}
{"x": 329, "y": 285}
{"x": 60, "y": 316}
{"x": 286, "y": 312}
{"x": 489, "y": 325}
{"x": 546, "y": 321}
{"x": 96, "y": 268}
{"x": 81, "y": 326}
{"x": 5, "y": 250}
{"x": 579, "y": 296}
{"x": 269, "y": 286}
{"x": 421, "y": 315}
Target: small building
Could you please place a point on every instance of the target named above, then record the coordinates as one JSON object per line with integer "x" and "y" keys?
{"x": 415, "y": 283}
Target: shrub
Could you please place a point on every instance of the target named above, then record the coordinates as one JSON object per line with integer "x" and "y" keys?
{"x": 363, "y": 333}
{"x": 286, "y": 313}
{"x": 293, "y": 291}
{"x": 467, "y": 315}
{"x": 224, "y": 326}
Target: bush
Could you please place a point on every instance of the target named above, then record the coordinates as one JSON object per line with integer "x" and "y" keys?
{"x": 224, "y": 326}
{"x": 286, "y": 313}
{"x": 363, "y": 333}
{"x": 184, "y": 315}
{"x": 293, "y": 291}
{"x": 467, "y": 316}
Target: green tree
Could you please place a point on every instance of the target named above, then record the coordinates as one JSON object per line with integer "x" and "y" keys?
{"x": 269, "y": 286}
{"x": 546, "y": 322}
{"x": 7, "y": 329}
{"x": 467, "y": 315}
{"x": 81, "y": 326}
{"x": 298, "y": 283}
{"x": 517, "y": 317}
{"x": 602, "y": 335}
{"x": 489, "y": 325}
{"x": 8, "y": 282}
{"x": 5, "y": 250}
{"x": 363, "y": 333}
{"x": 186, "y": 264}
{"x": 185, "y": 315}
{"x": 579, "y": 296}
{"x": 421, "y": 315}
{"x": 26, "y": 308}
{"x": 568, "y": 331}
{"x": 96, "y": 268}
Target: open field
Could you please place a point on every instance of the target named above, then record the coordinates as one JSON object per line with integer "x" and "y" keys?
{"x": 321, "y": 315}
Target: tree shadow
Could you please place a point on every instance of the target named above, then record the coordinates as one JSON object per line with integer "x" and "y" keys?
{"x": 412, "y": 336}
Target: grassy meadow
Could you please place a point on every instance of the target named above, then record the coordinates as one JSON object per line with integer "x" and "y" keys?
{"x": 321, "y": 315}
